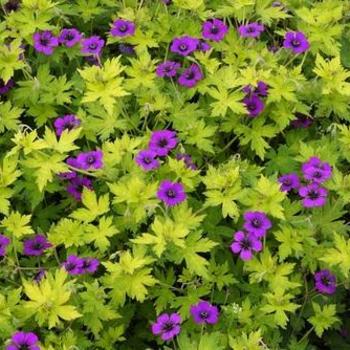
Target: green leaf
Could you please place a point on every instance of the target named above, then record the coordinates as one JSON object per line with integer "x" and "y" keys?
{"x": 17, "y": 224}
{"x": 324, "y": 318}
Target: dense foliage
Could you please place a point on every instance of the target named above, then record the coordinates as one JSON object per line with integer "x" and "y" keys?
{"x": 174, "y": 174}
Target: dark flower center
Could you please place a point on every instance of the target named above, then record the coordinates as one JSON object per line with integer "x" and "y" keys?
{"x": 168, "y": 326}
{"x": 214, "y": 30}
{"x": 69, "y": 36}
{"x": 147, "y": 160}
{"x": 287, "y": 182}
{"x": 295, "y": 42}
{"x": 69, "y": 126}
{"x": 204, "y": 315}
{"x": 93, "y": 46}
{"x": 313, "y": 194}
{"x": 163, "y": 142}
{"x": 23, "y": 347}
{"x": 183, "y": 47}
{"x": 325, "y": 281}
{"x": 86, "y": 264}
{"x": 44, "y": 41}
{"x": 38, "y": 246}
{"x": 171, "y": 193}
{"x": 256, "y": 223}
{"x": 190, "y": 75}
{"x": 245, "y": 244}
{"x": 70, "y": 266}
{"x": 250, "y": 29}
{"x": 251, "y": 106}
{"x": 317, "y": 174}
{"x": 123, "y": 28}
{"x": 90, "y": 160}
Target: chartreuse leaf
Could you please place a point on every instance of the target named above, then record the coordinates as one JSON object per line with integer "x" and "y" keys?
{"x": 65, "y": 143}
{"x": 324, "y": 317}
{"x": 95, "y": 207}
{"x": 9, "y": 61}
{"x": 9, "y": 116}
{"x": 339, "y": 255}
{"x": 17, "y": 225}
{"x": 47, "y": 300}
{"x": 251, "y": 341}
{"x": 8, "y": 304}
{"x": 214, "y": 340}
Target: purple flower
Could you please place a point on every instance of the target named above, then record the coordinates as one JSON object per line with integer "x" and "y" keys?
{"x": 73, "y": 162}
{"x": 296, "y": 41}
{"x": 289, "y": 182}
{"x": 251, "y": 30}
{"x": 67, "y": 122}
{"x": 5, "y": 88}
{"x": 187, "y": 159}
{"x": 90, "y": 265}
{"x": 167, "y": 69}
{"x": 254, "y": 105}
{"x": 90, "y": 160}
{"x": 184, "y": 45}
{"x": 257, "y": 223}
{"x": 69, "y": 37}
{"x": 4, "y": 242}
{"x": 92, "y": 45}
{"x": 325, "y": 282}
{"x": 313, "y": 195}
{"x": 203, "y": 46}
{"x": 45, "y": 42}
{"x": 167, "y": 326}
{"x": 171, "y": 193}
{"x": 36, "y": 246}
{"x": 122, "y": 28}
{"x": 166, "y": 2}
{"x": 146, "y": 159}
{"x": 191, "y": 76}
{"x": 76, "y": 185}
{"x": 245, "y": 244}
{"x": 302, "y": 121}
{"x": 261, "y": 90}
{"x": 73, "y": 265}
{"x": 162, "y": 142}
{"x": 214, "y": 29}
{"x": 204, "y": 312}
{"x": 316, "y": 171}
{"x": 126, "y": 49}
{"x": 23, "y": 341}
{"x": 39, "y": 275}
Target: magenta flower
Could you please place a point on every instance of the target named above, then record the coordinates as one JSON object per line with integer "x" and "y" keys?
{"x": 6, "y": 87}
{"x": 90, "y": 160}
{"x": 4, "y": 242}
{"x": 162, "y": 142}
{"x": 257, "y": 223}
{"x": 90, "y": 265}
{"x": 69, "y": 37}
{"x": 313, "y": 195}
{"x": 126, "y": 49}
{"x": 296, "y": 41}
{"x": 187, "y": 159}
{"x": 171, "y": 193}
{"x": 76, "y": 185}
{"x": 245, "y": 244}
{"x": 123, "y": 28}
{"x": 325, "y": 282}
{"x": 251, "y": 30}
{"x": 45, "y": 42}
{"x": 146, "y": 159}
{"x": 302, "y": 121}
{"x": 260, "y": 90}
{"x": 73, "y": 265}
{"x": 167, "y": 69}
{"x": 203, "y": 46}
{"x": 191, "y": 76}
{"x": 289, "y": 182}
{"x": 67, "y": 122}
{"x": 214, "y": 29}
{"x": 24, "y": 341}
{"x": 184, "y": 45}
{"x": 254, "y": 105}
{"x": 92, "y": 45}
{"x": 167, "y": 326}
{"x": 204, "y": 312}
{"x": 36, "y": 245}
{"x": 316, "y": 171}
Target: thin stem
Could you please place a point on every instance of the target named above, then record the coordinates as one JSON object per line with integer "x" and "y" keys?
{"x": 306, "y": 335}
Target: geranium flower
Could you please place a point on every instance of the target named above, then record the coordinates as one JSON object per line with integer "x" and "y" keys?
{"x": 45, "y": 42}
{"x": 123, "y": 28}
{"x": 171, "y": 193}
{"x": 167, "y": 326}
{"x": 204, "y": 312}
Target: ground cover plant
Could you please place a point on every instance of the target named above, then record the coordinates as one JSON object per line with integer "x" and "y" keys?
{"x": 174, "y": 174}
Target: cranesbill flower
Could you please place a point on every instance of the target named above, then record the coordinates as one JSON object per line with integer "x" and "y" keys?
{"x": 167, "y": 69}
{"x": 36, "y": 246}
{"x": 316, "y": 171}
{"x": 313, "y": 195}
{"x": 204, "y": 312}
{"x": 191, "y": 76}
{"x": 39, "y": 275}
{"x": 6, "y": 87}
{"x": 4, "y": 242}
{"x": 187, "y": 159}
{"x": 90, "y": 160}
{"x": 167, "y": 326}
{"x": 261, "y": 89}
{"x": 203, "y": 46}
{"x": 214, "y": 29}
{"x": 23, "y": 341}
{"x": 251, "y": 30}
{"x": 92, "y": 45}
{"x": 171, "y": 193}
{"x": 146, "y": 159}
{"x": 289, "y": 182}
{"x": 325, "y": 282}
{"x": 122, "y": 28}
{"x": 302, "y": 121}
{"x": 296, "y": 41}
{"x": 67, "y": 122}
{"x": 126, "y": 49}
{"x": 254, "y": 105}
{"x": 76, "y": 186}
{"x": 245, "y": 244}
{"x": 45, "y": 42}
{"x": 184, "y": 45}
{"x": 256, "y": 222}
{"x": 90, "y": 265}
{"x": 69, "y": 37}
{"x": 162, "y": 142}
{"x": 73, "y": 265}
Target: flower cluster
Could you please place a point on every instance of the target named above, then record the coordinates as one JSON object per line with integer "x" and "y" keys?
{"x": 24, "y": 340}
{"x": 75, "y": 265}
{"x": 253, "y": 99}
